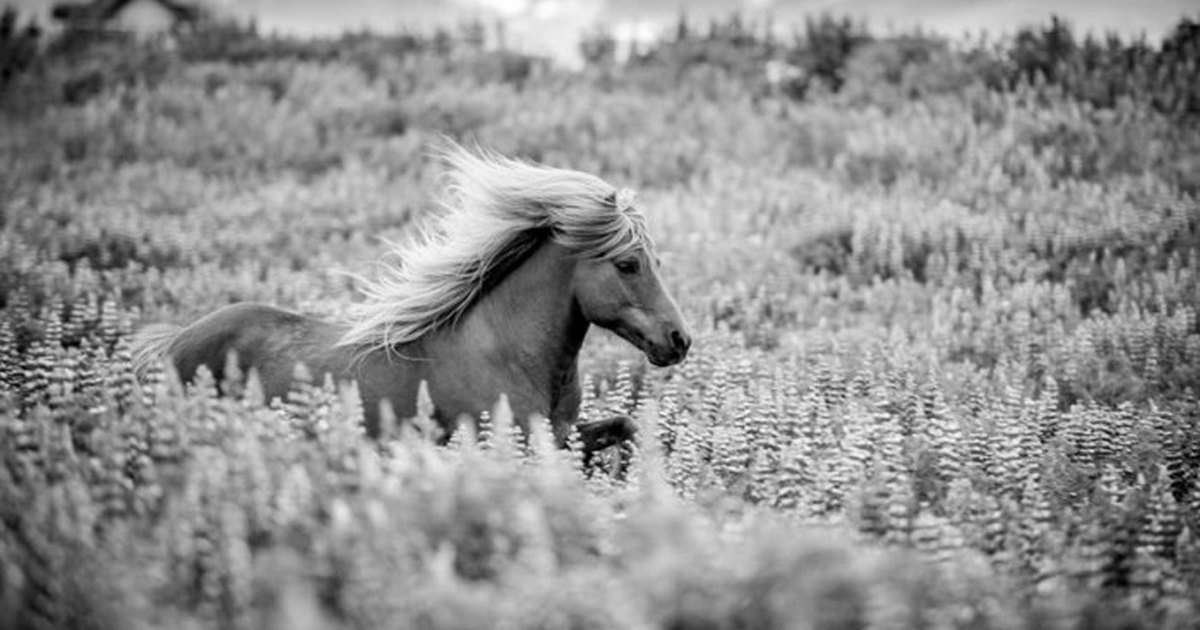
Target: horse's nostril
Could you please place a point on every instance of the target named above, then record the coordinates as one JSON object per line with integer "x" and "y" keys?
{"x": 680, "y": 341}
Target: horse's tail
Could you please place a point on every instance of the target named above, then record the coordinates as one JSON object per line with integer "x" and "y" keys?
{"x": 150, "y": 344}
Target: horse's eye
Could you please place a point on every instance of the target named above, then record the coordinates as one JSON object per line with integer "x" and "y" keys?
{"x": 629, "y": 267}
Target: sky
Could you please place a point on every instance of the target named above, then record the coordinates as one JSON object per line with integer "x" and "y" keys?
{"x": 553, "y": 27}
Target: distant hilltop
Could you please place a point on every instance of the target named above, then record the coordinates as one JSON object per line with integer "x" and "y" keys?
{"x": 553, "y": 27}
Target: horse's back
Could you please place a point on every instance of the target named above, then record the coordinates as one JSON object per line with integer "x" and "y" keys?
{"x": 263, "y": 338}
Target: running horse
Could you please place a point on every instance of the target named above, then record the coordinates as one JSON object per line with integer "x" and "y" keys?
{"x": 494, "y": 296}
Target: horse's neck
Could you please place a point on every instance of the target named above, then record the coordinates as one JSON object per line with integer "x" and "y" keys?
{"x": 529, "y": 321}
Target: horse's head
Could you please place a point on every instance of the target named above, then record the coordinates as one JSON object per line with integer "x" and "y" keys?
{"x": 625, "y": 295}
{"x": 499, "y": 212}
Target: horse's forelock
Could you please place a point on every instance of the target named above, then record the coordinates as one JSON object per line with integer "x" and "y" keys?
{"x": 491, "y": 205}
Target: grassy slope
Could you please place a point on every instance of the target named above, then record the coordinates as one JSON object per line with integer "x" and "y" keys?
{"x": 944, "y": 370}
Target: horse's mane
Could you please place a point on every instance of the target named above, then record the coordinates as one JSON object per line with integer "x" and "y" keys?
{"x": 495, "y": 211}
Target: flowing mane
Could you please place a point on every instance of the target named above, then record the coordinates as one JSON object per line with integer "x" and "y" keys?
{"x": 495, "y": 212}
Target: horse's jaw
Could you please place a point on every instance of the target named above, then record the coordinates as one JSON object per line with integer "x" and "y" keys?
{"x": 657, "y": 356}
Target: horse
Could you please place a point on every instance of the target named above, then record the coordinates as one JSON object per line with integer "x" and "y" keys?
{"x": 494, "y": 296}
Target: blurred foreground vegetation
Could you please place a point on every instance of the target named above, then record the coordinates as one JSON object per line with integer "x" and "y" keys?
{"x": 945, "y": 299}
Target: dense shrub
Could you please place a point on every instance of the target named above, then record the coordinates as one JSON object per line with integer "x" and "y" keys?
{"x": 1104, "y": 73}
{"x": 18, "y": 45}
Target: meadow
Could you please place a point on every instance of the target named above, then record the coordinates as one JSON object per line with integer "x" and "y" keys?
{"x": 944, "y": 303}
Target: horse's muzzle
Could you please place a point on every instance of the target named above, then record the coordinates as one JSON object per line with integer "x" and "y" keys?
{"x": 673, "y": 352}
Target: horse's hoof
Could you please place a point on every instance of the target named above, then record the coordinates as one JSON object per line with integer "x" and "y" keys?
{"x": 600, "y": 434}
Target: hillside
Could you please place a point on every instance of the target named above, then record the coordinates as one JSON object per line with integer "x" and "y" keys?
{"x": 944, "y": 300}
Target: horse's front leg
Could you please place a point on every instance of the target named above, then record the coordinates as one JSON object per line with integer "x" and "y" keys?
{"x": 598, "y": 435}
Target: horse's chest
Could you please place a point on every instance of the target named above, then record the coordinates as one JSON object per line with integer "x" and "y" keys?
{"x": 565, "y": 395}
{"x": 473, "y": 388}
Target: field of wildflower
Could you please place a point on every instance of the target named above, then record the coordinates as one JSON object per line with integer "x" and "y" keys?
{"x": 944, "y": 299}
